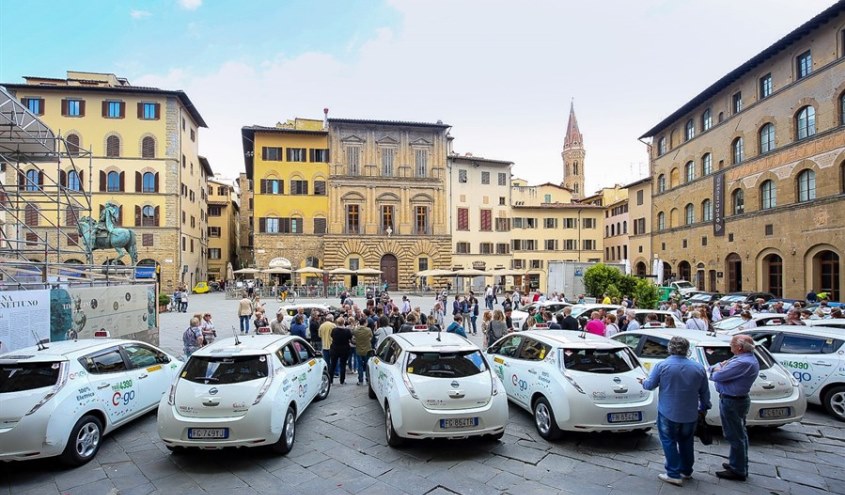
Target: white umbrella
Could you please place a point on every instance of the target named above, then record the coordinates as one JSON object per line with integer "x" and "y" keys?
{"x": 310, "y": 269}
{"x": 368, "y": 271}
{"x": 437, "y": 272}
{"x": 341, "y": 271}
{"x": 247, "y": 270}
{"x": 424, "y": 273}
{"x": 627, "y": 266}
{"x": 504, "y": 272}
{"x": 277, "y": 270}
{"x": 471, "y": 272}
{"x": 657, "y": 270}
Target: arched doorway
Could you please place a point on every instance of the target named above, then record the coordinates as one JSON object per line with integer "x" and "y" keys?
{"x": 826, "y": 274}
{"x": 667, "y": 272}
{"x": 699, "y": 276}
{"x": 641, "y": 269}
{"x": 684, "y": 271}
{"x": 148, "y": 268}
{"x": 773, "y": 274}
{"x": 734, "y": 270}
{"x": 390, "y": 271}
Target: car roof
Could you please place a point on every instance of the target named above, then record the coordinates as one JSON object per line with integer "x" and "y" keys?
{"x": 826, "y": 322}
{"x": 63, "y": 349}
{"x": 433, "y": 341}
{"x": 304, "y": 305}
{"x": 832, "y": 333}
{"x": 568, "y": 338}
{"x": 696, "y": 337}
{"x": 248, "y": 345}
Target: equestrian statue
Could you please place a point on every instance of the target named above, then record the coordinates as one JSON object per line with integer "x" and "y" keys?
{"x": 104, "y": 235}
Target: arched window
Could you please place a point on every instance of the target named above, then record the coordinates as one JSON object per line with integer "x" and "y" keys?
{"x": 33, "y": 180}
{"x": 612, "y": 230}
{"x": 689, "y": 214}
{"x": 738, "y": 202}
{"x": 575, "y": 168}
{"x": 706, "y": 120}
{"x": 689, "y": 131}
{"x": 113, "y": 182}
{"x": 706, "y": 210}
{"x": 706, "y": 164}
{"x": 673, "y": 218}
{"x": 806, "y": 186}
{"x": 674, "y": 178}
{"x": 74, "y": 183}
{"x": 805, "y": 122}
{"x": 149, "y": 182}
{"x": 842, "y": 109}
{"x": 661, "y": 221}
{"x": 625, "y": 227}
{"x": 113, "y": 146}
{"x": 661, "y": 182}
{"x": 767, "y": 138}
{"x": 73, "y": 144}
{"x": 148, "y": 216}
{"x": 737, "y": 150}
{"x": 661, "y": 146}
{"x": 689, "y": 171}
{"x": 148, "y": 147}
{"x": 768, "y": 195}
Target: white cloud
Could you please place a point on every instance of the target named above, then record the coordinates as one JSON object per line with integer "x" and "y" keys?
{"x": 190, "y": 4}
{"x": 139, "y": 14}
{"x": 502, "y": 74}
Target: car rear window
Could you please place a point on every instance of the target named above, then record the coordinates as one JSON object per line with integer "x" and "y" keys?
{"x": 599, "y": 360}
{"x": 225, "y": 369}
{"x": 28, "y": 376}
{"x": 446, "y": 364}
{"x": 715, "y": 355}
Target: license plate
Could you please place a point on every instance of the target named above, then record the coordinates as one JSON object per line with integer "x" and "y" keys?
{"x": 776, "y": 412}
{"x": 458, "y": 423}
{"x": 625, "y": 417}
{"x": 207, "y": 433}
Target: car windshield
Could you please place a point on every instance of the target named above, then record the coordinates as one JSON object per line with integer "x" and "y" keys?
{"x": 730, "y": 299}
{"x": 225, "y": 369}
{"x": 18, "y": 377}
{"x": 599, "y": 360}
{"x": 446, "y": 364}
{"x": 726, "y": 324}
{"x": 717, "y": 354}
{"x": 684, "y": 285}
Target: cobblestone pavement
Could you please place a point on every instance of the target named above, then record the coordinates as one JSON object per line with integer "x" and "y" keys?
{"x": 340, "y": 448}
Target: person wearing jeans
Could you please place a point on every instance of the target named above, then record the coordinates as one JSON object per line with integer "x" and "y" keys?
{"x": 362, "y": 337}
{"x": 733, "y": 379}
{"x": 244, "y": 313}
{"x": 684, "y": 394}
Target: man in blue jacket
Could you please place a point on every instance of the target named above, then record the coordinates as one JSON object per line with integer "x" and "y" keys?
{"x": 457, "y": 327}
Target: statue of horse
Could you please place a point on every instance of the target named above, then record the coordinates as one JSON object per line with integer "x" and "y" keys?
{"x": 121, "y": 239}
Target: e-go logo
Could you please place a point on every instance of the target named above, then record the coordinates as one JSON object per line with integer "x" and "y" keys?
{"x": 802, "y": 377}
{"x": 522, "y": 384}
{"x": 118, "y": 398}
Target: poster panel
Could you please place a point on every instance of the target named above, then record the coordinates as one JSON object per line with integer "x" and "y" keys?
{"x": 24, "y": 318}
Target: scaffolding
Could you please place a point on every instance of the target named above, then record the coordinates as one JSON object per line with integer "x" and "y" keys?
{"x": 42, "y": 197}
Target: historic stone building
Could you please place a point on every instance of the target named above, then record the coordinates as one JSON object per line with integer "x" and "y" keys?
{"x": 615, "y": 222}
{"x": 223, "y": 226}
{"x": 388, "y": 198}
{"x": 246, "y": 255}
{"x": 749, "y": 175}
{"x": 141, "y": 152}
{"x": 573, "y": 155}
{"x": 639, "y": 228}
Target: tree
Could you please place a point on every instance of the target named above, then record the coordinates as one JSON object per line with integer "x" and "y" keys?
{"x": 599, "y": 276}
{"x": 646, "y": 293}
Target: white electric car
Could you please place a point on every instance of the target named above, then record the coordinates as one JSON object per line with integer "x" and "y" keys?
{"x": 243, "y": 392}
{"x": 776, "y": 397}
{"x": 61, "y": 398}
{"x": 436, "y": 385}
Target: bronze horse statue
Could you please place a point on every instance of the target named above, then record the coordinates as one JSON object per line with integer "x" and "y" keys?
{"x": 95, "y": 237}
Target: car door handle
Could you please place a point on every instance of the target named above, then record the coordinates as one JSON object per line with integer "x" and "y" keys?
{"x": 143, "y": 376}
{"x": 211, "y": 403}
{"x": 456, "y": 394}
{"x": 821, "y": 363}
{"x": 103, "y": 385}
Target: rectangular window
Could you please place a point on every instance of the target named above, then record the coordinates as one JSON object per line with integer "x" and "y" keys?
{"x": 502, "y": 200}
{"x": 570, "y": 223}
{"x": 271, "y": 154}
{"x": 214, "y": 232}
{"x": 769, "y": 229}
{"x": 214, "y": 253}
{"x": 149, "y": 111}
{"x": 421, "y": 163}
{"x": 387, "y": 219}
{"x": 272, "y": 186}
{"x": 551, "y": 245}
{"x": 462, "y": 176}
{"x": 503, "y": 179}
{"x": 463, "y": 218}
{"x": 215, "y": 211}
{"x": 299, "y": 187}
{"x": 353, "y": 154}
{"x": 271, "y": 225}
{"x": 319, "y": 188}
{"x": 589, "y": 244}
{"x": 147, "y": 240}
{"x": 462, "y": 248}
{"x": 503, "y": 225}
{"x": 550, "y": 223}
{"x": 296, "y": 154}
{"x": 485, "y": 248}
{"x": 387, "y": 156}
{"x": 639, "y": 197}
{"x": 570, "y": 245}
{"x": 537, "y": 264}
{"x": 319, "y": 225}
{"x": 422, "y": 264}
{"x": 590, "y": 223}
{"x": 804, "y": 64}
{"x": 74, "y": 108}
{"x": 34, "y": 105}
{"x": 113, "y": 109}
{"x": 320, "y": 156}
{"x": 516, "y": 244}
{"x": 502, "y": 248}
{"x": 766, "y": 86}
{"x": 353, "y": 219}
{"x": 737, "y": 102}
{"x": 193, "y": 138}
{"x": 517, "y": 223}
{"x": 421, "y": 216}
{"x": 193, "y": 222}
{"x": 184, "y": 243}
{"x": 485, "y": 177}
{"x": 486, "y": 220}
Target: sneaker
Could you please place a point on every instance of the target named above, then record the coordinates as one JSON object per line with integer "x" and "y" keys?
{"x": 672, "y": 481}
{"x": 728, "y": 474}
{"x": 686, "y": 476}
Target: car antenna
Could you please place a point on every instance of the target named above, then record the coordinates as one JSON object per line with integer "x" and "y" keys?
{"x": 235, "y": 333}
{"x": 40, "y": 343}
{"x": 583, "y": 334}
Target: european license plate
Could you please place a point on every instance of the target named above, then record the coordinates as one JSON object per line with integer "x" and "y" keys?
{"x": 458, "y": 423}
{"x": 207, "y": 433}
{"x": 625, "y": 417}
{"x": 776, "y": 412}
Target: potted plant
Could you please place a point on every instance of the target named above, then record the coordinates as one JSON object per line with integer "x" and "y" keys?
{"x": 163, "y": 301}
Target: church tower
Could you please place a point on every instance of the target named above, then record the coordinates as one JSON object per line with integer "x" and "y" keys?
{"x": 573, "y": 157}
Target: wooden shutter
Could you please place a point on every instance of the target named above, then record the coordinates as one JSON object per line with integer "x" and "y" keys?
{"x": 82, "y": 108}
{"x": 64, "y": 108}
{"x": 140, "y": 110}
{"x": 156, "y": 184}
{"x": 122, "y": 181}
{"x": 158, "y": 111}
{"x": 81, "y": 180}
{"x": 122, "y": 109}
{"x": 155, "y": 214}
{"x": 102, "y": 181}
{"x": 137, "y": 216}
{"x": 40, "y": 178}
{"x": 263, "y": 186}
{"x": 62, "y": 178}
{"x": 138, "y": 181}
{"x": 310, "y": 155}
{"x": 262, "y": 225}
{"x": 105, "y": 108}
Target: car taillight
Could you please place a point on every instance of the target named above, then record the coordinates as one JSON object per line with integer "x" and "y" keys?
{"x": 171, "y": 396}
{"x": 267, "y": 382}
{"x": 494, "y": 388}
{"x": 407, "y": 380}
{"x": 63, "y": 373}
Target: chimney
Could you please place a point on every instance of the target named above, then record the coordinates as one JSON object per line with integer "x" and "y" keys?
{"x": 325, "y": 118}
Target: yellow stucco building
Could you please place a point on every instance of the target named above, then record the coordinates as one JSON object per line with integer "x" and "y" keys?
{"x": 141, "y": 152}
{"x": 223, "y": 228}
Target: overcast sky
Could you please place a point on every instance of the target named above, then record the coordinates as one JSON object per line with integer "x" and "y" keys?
{"x": 502, "y": 73}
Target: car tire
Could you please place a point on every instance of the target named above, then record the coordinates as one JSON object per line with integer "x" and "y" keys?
{"x": 834, "y": 402}
{"x": 544, "y": 419}
{"x": 370, "y": 392}
{"x": 288, "y": 436}
{"x": 393, "y": 439}
{"x": 84, "y": 441}
{"x": 325, "y": 386}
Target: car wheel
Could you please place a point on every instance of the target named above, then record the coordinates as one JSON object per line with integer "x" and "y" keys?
{"x": 370, "y": 392}
{"x": 288, "y": 435}
{"x": 544, "y": 420}
{"x": 325, "y": 386}
{"x": 834, "y": 402}
{"x": 83, "y": 442}
{"x": 393, "y": 439}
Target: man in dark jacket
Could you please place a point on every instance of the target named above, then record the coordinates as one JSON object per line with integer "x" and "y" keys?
{"x": 396, "y": 319}
{"x": 569, "y": 322}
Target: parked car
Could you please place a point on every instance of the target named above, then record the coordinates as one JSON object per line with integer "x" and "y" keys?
{"x": 742, "y": 298}
{"x": 838, "y": 323}
{"x": 731, "y": 323}
{"x": 776, "y": 397}
{"x": 814, "y": 356}
{"x": 436, "y": 385}
{"x": 201, "y": 288}
{"x": 243, "y": 392}
{"x": 573, "y": 382}
{"x": 640, "y": 315}
{"x": 787, "y": 303}
{"x": 291, "y": 310}
{"x": 62, "y": 398}
{"x": 581, "y": 312}
{"x": 701, "y": 298}
{"x": 519, "y": 317}
{"x": 683, "y": 287}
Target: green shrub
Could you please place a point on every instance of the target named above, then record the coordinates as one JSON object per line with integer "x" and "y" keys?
{"x": 163, "y": 299}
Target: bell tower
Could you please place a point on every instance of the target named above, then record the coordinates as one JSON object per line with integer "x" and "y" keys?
{"x": 573, "y": 156}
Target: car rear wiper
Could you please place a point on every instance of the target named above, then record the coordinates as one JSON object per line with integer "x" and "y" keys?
{"x": 207, "y": 378}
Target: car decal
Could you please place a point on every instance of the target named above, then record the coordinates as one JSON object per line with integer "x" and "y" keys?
{"x": 313, "y": 362}
{"x": 498, "y": 360}
{"x": 154, "y": 368}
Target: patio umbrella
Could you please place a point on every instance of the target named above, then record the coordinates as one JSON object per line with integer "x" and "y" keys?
{"x": 368, "y": 271}
{"x": 437, "y": 272}
{"x": 504, "y": 272}
{"x": 471, "y": 272}
{"x": 341, "y": 271}
{"x": 246, "y": 270}
{"x": 310, "y": 269}
{"x": 277, "y": 270}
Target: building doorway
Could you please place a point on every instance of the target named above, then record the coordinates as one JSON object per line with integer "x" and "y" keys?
{"x": 699, "y": 277}
{"x": 641, "y": 269}
{"x": 826, "y": 274}
{"x": 712, "y": 284}
{"x": 684, "y": 271}
{"x": 734, "y": 269}
{"x": 773, "y": 274}
{"x": 390, "y": 271}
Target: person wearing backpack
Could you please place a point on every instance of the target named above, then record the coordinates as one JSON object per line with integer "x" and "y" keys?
{"x": 192, "y": 338}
